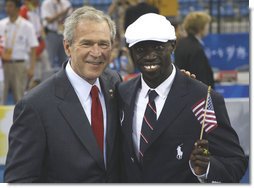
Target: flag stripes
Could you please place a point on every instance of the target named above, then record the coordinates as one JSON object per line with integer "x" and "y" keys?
{"x": 210, "y": 119}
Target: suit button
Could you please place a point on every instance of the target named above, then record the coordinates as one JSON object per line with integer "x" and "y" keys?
{"x": 132, "y": 159}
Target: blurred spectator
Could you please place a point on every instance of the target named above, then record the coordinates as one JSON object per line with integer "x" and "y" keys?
{"x": 19, "y": 45}
{"x": 1, "y": 83}
{"x": 189, "y": 53}
{"x": 127, "y": 66}
{"x": 166, "y": 8}
{"x": 137, "y": 10}
{"x": 114, "y": 63}
{"x": 54, "y": 13}
{"x": 121, "y": 61}
{"x": 124, "y": 12}
{"x": 117, "y": 11}
{"x": 179, "y": 30}
{"x": 30, "y": 10}
{"x": 1, "y": 72}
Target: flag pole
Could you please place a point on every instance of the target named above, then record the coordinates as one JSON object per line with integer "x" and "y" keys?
{"x": 203, "y": 123}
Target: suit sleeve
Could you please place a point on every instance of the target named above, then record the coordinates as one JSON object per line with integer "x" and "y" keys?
{"x": 228, "y": 162}
{"x": 27, "y": 145}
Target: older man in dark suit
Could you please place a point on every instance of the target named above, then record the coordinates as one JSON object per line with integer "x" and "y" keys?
{"x": 161, "y": 117}
{"x": 57, "y": 134}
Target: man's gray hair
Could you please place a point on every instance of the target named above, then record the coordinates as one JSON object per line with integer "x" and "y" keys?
{"x": 86, "y": 13}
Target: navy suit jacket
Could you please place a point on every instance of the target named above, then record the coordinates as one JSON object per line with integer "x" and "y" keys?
{"x": 176, "y": 127}
{"x": 51, "y": 139}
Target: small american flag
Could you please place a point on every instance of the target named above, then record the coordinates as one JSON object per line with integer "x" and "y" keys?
{"x": 210, "y": 119}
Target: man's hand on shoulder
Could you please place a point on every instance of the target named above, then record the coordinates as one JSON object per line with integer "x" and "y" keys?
{"x": 187, "y": 73}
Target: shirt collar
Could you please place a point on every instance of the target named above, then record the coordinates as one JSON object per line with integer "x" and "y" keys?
{"x": 81, "y": 86}
{"x": 16, "y": 21}
{"x": 163, "y": 89}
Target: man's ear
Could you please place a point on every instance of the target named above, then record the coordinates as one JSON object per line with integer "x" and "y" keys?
{"x": 67, "y": 47}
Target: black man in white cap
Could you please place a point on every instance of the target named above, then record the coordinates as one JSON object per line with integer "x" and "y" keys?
{"x": 162, "y": 115}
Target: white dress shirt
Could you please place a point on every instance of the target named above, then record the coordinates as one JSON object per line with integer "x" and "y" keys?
{"x": 82, "y": 89}
{"x": 34, "y": 16}
{"x": 140, "y": 107}
{"x": 50, "y": 8}
{"x": 25, "y": 37}
{"x": 141, "y": 102}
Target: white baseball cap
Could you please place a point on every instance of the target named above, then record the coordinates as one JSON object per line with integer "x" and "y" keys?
{"x": 150, "y": 26}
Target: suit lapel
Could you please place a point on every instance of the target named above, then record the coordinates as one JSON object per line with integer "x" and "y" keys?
{"x": 74, "y": 114}
{"x": 112, "y": 119}
{"x": 174, "y": 104}
{"x": 129, "y": 106}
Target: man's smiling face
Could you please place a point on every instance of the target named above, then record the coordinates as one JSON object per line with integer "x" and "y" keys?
{"x": 153, "y": 60}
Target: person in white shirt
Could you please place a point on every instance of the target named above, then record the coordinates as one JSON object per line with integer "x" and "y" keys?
{"x": 54, "y": 13}
{"x": 31, "y": 11}
{"x": 19, "y": 45}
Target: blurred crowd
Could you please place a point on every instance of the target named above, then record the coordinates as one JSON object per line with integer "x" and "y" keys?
{"x": 41, "y": 49}
{"x": 31, "y": 44}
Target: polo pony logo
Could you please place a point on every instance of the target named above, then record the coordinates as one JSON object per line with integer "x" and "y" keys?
{"x": 179, "y": 151}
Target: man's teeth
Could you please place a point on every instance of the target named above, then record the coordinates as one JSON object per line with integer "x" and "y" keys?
{"x": 150, "y": 66}
{"x": 95, "y": 63}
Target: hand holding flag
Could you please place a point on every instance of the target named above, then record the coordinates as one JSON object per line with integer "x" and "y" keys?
{"x": 199, "y": 160}
{"x": 204, "y": 111}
